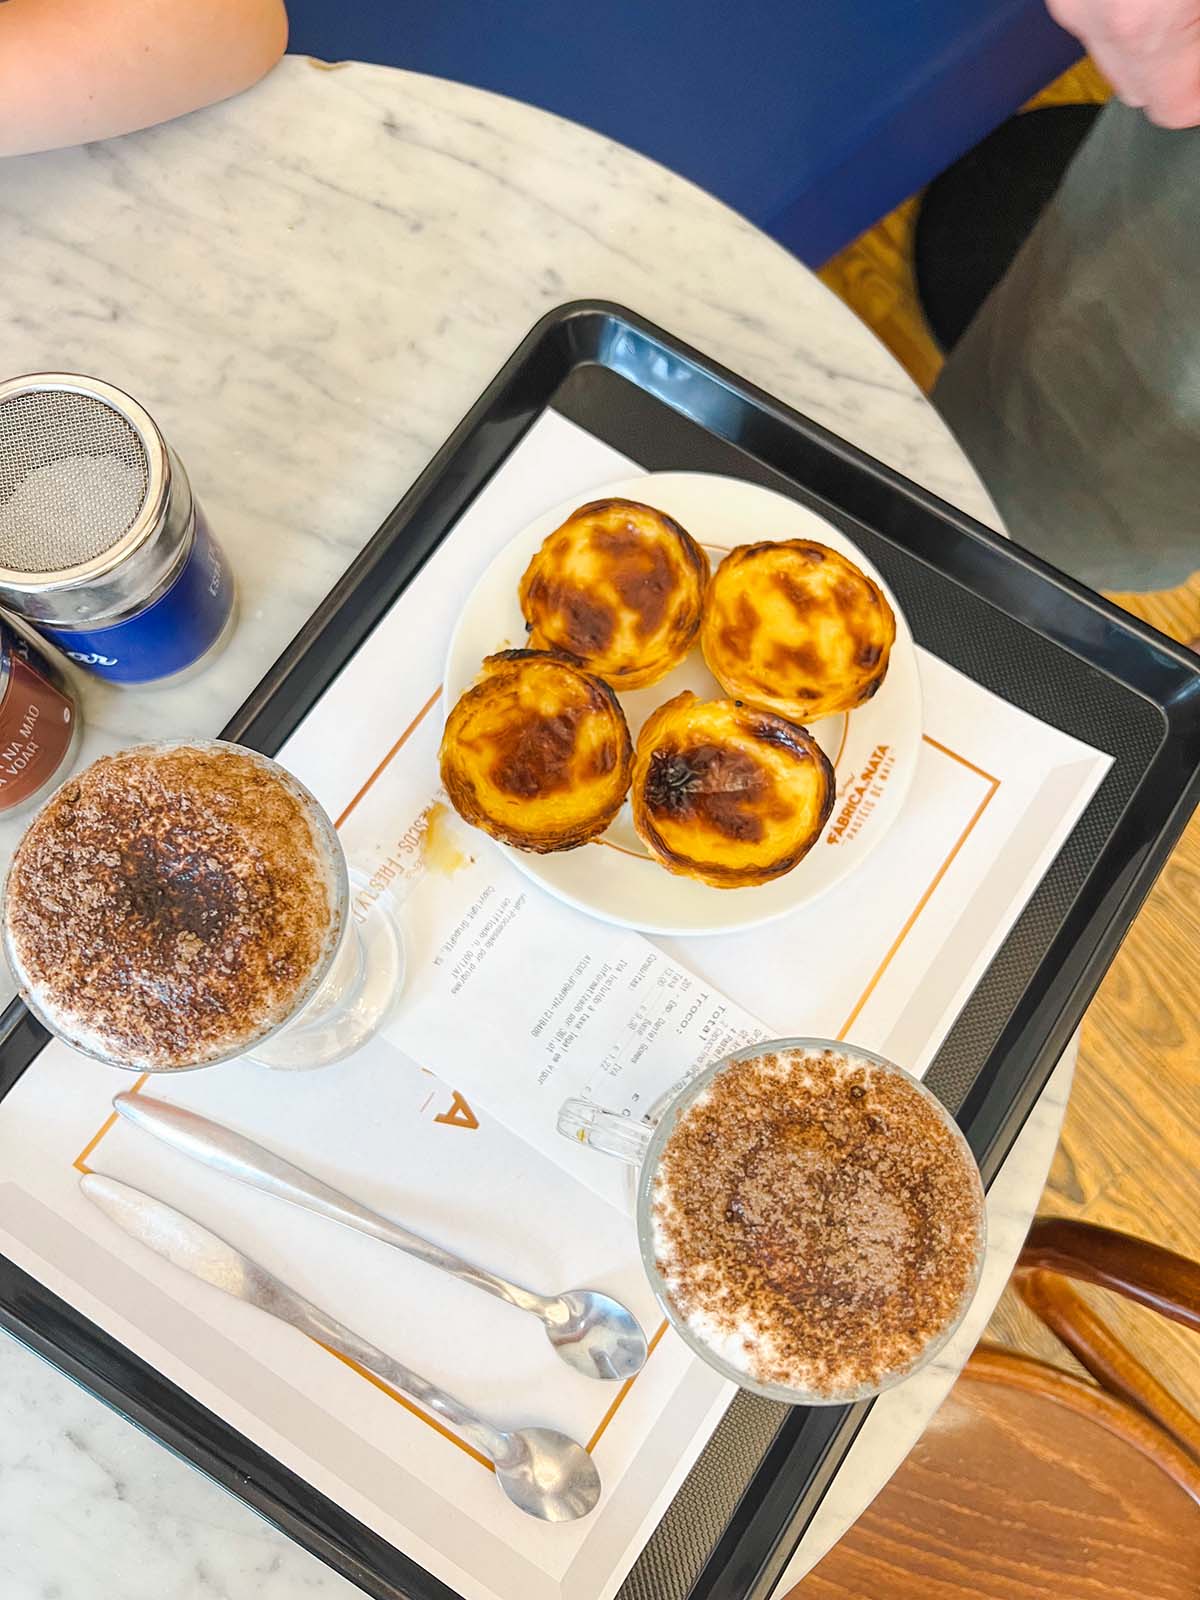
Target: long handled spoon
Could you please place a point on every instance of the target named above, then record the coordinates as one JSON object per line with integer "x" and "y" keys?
{"x": 540, "y": 1470}
{"x": 590, "y": 1331}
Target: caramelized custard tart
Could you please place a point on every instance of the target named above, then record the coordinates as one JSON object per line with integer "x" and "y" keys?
{"x": 728, "y": 794}
{"x": 619, "y": 585}
{"x": 796, "y": 628}
{"x": 537, "y": 753}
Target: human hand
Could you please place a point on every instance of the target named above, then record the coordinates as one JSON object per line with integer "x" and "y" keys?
{"x": 1149, "y": 49}
{"x": 72, "y": 71}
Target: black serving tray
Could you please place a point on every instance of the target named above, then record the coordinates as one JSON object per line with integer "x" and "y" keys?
{"x": 984, "y": 605}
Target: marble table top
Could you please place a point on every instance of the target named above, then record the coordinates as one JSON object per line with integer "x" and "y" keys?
{"x": 307, "y": 287}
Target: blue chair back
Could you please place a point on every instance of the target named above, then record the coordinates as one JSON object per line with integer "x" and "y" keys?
{"x": 811, "y": 117}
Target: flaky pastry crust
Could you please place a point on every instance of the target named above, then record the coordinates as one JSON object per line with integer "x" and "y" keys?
{"x": 537, "y": 753}
{"x": 796, "y": 628}
{"x": 620, "y": 586}
{"x": 728, "y": 794}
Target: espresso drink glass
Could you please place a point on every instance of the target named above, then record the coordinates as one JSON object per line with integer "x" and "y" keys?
{"x": 185, "y": 902}
{"x": 810, "y": 1217}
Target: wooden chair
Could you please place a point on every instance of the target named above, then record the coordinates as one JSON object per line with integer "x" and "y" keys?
{"x": 1031, "y": 1483}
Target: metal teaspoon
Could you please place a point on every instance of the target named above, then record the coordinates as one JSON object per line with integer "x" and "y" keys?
{"x": 540, "y": 1470}
{"x": 593, "y": 1333}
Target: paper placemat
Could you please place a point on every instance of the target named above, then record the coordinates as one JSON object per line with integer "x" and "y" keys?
{"x": 513, "y": 1001}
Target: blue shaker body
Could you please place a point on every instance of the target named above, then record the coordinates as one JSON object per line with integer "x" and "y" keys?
{"x": 169, "y": 634}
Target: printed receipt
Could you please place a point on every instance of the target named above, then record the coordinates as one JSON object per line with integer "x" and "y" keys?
{"x": 519, "y": 1002}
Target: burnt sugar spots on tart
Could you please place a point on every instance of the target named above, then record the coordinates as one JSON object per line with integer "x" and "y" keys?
{"x": 796, "y": 628}
{"x": 621, "y": 587}
{"x": 731, "y": 790}
{"x": 537, "y": 752}
{"x": 728, "y": 794}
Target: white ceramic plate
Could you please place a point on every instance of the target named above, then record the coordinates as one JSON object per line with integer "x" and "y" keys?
{"x": 874, "y": 750}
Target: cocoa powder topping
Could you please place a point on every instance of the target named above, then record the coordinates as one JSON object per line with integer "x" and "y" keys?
{"x": 816, "y": 1221}
{"x": 171, "y": 904}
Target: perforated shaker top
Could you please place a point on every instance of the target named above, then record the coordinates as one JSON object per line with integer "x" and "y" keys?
{"x": 73, "y": 477}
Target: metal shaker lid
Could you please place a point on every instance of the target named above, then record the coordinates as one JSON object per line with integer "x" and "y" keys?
{"x": 84, "y": 481}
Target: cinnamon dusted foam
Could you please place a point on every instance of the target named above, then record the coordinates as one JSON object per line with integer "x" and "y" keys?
{"x": 172, "y": 904}
{"x": 817, "y": 1223}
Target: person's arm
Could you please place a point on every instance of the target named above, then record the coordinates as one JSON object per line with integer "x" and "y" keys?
{"x": 75, "y": 70}
{"x": 1149, "y": 50}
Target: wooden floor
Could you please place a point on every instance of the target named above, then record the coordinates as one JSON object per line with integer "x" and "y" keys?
{"x": 1130, "y": 1150}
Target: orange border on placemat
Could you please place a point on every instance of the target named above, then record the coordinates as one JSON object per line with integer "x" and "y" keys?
{"x": 392, "y": 753}
{"x": 622, "y": 1392}
{"x": 80, "y": 1162}
{"x": 409, "y": 1405}
{"x": 993, "y": 785}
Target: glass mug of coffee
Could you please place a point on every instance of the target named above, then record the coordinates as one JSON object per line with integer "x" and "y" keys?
{"x": 185, "y": 902}
{"x": 810, "y": 1217}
